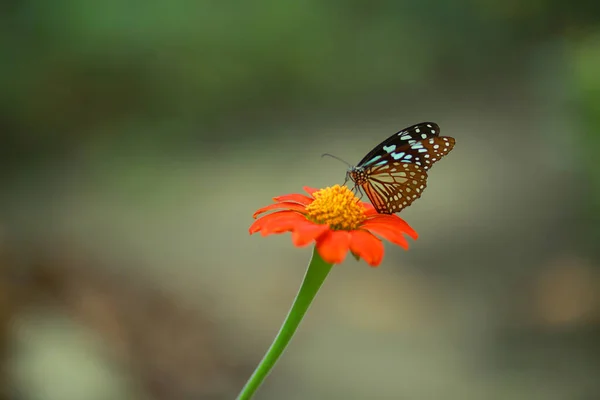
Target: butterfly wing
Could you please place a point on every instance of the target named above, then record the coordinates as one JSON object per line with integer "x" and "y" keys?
{"x": 400, "y": 141}
{"x": 427, "y": 152}
{"x": 398, "y": 178}
{"x": 394, "y": 186}
{"x": 423, "y": 153}
{"x": 395, "y": 170}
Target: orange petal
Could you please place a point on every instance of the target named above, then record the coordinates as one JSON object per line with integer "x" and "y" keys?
{"x": 310, "y": 190}
{"x": 367, "y": 246}
{"x": 277, "y": 222}
{"x": 397, "y": 223}
{"x": 296, "y": 198}
{"x": 369, "y": 209}
{"x": 306, "y": 233}
{"x": 386, "y": 231}
{"x": 285, "y": 205}
{"x": 333, "y": 246}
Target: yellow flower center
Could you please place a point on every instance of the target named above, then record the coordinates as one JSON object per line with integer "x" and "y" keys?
{"x": 337, "y": 207}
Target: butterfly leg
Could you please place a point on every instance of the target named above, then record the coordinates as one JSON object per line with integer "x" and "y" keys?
{"x": 356, "y": 188}
{"x": 345, "y": 180}
{"x": 359, "y": 191}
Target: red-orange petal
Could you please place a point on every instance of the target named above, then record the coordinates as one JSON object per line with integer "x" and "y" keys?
{"x": 386, "y": 231}
{"x": 367, "y": 246}
{"x": 370, "y": 210}
{"x": 333, "y": 246}
{"x": 277, "y": 222}
{"x": 294, "y": 197}
{"x": 310, "y": 190}
{"x": 304, "y": 234}
{"x": 284, "y": 205}
{"x": 397, "y": 223}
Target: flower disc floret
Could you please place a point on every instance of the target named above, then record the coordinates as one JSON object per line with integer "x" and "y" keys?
{"x": 337, "y": 207}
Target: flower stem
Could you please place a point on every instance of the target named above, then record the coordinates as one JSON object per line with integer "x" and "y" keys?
{"x": 315, "y": 275}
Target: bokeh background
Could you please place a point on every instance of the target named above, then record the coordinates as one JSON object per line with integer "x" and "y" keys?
{"x": 137, "y": 139}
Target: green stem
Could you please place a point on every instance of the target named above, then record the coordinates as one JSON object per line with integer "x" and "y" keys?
{"x": 313, "y": 279}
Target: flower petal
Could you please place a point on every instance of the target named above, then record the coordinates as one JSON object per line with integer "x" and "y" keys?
{"x": 333, "y": 246}
{"x": 304, "y": 234}
{"x": 310, "y": 190}
{"x": 397, "y": 223}
{"x": 367, "y": 246}
{"x": 278, "y": 222}
{"x": 387, "y": 231}
{"x": 285, "y": 205}
{"x": 370, "y": 210}
{"x": 296, "y": 198}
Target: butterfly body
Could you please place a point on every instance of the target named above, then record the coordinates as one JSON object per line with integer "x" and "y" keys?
{"x": 394, "y": 174}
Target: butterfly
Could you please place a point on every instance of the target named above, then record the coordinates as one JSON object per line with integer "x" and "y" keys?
{"x": 394, "y": 174}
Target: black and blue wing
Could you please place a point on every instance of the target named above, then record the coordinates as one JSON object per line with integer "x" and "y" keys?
{"x": 399, "y": 144}
{"x": 395, "y": 170}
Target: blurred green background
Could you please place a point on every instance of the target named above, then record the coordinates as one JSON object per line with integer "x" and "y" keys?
{"x": 138, "y": 137}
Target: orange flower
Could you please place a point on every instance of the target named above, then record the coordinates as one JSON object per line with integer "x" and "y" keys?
{"x": 336, "y": 220}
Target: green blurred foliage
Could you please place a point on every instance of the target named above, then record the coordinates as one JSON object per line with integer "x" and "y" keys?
{"x": 586, "y": 66}
{"x": 70, "y": 65}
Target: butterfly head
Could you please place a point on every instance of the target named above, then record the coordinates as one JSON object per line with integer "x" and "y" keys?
{"x": 357, "y": 175}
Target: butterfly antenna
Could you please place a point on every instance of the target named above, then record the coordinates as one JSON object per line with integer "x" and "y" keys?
{"x": 336, "y": 157}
